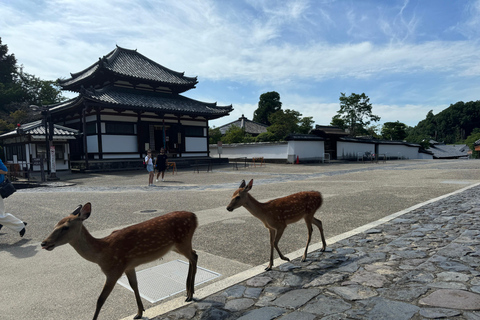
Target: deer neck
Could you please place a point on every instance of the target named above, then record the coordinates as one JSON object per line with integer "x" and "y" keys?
{"x": 87, "y": 246}
{"x": 256, "y": 208}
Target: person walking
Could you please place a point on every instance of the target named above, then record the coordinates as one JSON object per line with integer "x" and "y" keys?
{"x": 161, "y": 164}
{"x": 149, "y": 163}
{"x": 7, "y": 219}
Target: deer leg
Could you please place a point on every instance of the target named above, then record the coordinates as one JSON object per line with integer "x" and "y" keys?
{"x": 107, "y": 289}
{"x": 278, "y": 235}
{"x": 191, "y": 255}
{"x": 192, "y": 271}
{"x": 272, "y": 241}
{"x": 318, "y": 223}
{"x": 310, "y": 230}
{"x": 132, "y": 280}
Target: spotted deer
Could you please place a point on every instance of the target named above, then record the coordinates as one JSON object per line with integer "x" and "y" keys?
{"x": 125, "y": 249}
{"x": 278, "y": 213}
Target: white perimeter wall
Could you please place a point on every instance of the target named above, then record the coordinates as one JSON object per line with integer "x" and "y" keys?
{"x": 350, "y": 150}
{"x": 398, "y": 151}
{"x": 305, "y": 150}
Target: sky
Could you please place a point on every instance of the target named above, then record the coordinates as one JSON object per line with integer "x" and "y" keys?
{"x": 407, "y": 56}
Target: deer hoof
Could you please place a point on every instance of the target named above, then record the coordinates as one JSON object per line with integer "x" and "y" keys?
{"x": 285, "y": 258}
{"x": 138, "y": 316}
{"x": 189, "y": 299}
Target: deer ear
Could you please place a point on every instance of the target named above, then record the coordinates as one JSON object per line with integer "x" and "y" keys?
{"x": 242, "y": 185}
{"x": 85, "y": 211}
{"x": 249, "y": 186}
{"x": 77, "y": 210}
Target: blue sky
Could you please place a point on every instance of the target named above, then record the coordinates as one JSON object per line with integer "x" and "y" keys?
{"x": 409, "y": 57}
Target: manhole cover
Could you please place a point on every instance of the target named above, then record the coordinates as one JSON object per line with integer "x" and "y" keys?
{"x": 165, "y": 280}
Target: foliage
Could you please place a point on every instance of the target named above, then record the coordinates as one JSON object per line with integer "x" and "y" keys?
{"x": 394, "y": 130}
{"x": 338, "y": 122}
{"x": 214, "y": 135}
{"x": 234, "y": 134}
{"x": 470, "y": 141}
{"x": 269, "y": 103}
{"x": 285, "y": 123}
{"x": 19, "y": 89}
{"x": 356, "y": 112}
{"x": 451, "y": 125}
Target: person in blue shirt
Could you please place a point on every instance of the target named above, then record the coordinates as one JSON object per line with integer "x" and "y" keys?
{"x": 8, "y": 219}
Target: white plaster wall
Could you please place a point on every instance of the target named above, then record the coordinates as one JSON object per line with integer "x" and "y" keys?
{"x": 118, "y": 143}
{"x": 92, "y": 144}
{"x": 398, "y": 151}
{"x": 306, "y": 150}
{"x": 349, "y": 150}
{"x": 251, "y": 150}
{"x": 196, "y": 144}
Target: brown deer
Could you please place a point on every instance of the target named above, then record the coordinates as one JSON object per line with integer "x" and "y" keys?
{"x": 278, "y": 213}
{"x": 125, "y": 249}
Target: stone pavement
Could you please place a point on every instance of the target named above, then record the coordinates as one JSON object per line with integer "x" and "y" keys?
{"x": 422, "y": 264}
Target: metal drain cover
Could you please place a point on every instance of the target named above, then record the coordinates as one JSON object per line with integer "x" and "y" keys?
{"x": 165, "y": 280}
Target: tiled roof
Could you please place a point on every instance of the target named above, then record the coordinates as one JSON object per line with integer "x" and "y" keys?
{"x": 130, "y": 63}
{"x": 449, "y": 151}
{"x": 147, "y": 101}
{"x": 37, "y": 128}
{"x": 251, "y": 127}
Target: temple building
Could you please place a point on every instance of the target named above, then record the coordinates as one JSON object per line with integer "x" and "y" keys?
{"x": 127, "y": 104}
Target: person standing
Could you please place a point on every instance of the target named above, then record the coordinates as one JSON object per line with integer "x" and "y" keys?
{"x": 8, "y": 219}
{"x": 149, "y": 164}
{"x": 161, "y": 164}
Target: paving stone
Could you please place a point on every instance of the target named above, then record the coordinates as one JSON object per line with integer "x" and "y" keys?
{"x": 454, "y": 299}
{"x": 298, "y": 315}
{"x": 325, "y": 279}
{"x": 265, "y": 313}
{"x": 239, "y": 304}
{"x": 296, "y": 298}
{"x": 215, "y": 314}
{"x": 407, "y": 294}
{"x": 452, "y": 276}
{"x": 324, "y": 305}
{"x": 367, "y": 278}
{"x": 385, "y": 309}
{"x": 354, "y": 292}
{"x": 260, "y": 281}
{"x": 437, "y": 313}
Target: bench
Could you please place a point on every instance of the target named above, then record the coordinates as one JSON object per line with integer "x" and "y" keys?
{"x": 237, "y": 161}
{"x": 203, "y": 163}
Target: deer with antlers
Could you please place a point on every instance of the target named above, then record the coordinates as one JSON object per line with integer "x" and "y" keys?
{"x": 278, "y": 213}
{"x": 125, "y": 249}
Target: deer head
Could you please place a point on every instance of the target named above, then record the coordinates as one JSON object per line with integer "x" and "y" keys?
{"x": 67, "y": 228}
{"x": 240, "y": 196}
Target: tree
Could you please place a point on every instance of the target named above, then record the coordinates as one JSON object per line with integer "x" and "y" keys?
{"x": 268, "y": 104}
{"x": 470, "y": 141}
{"x": 19, "y": 89}
{"x": 214, "y": 135}
{"x": 234, "y": 134}
{"x": 394, "y": 130}
{"x": 356, "y": 111}
{"x": 284, "y": 123}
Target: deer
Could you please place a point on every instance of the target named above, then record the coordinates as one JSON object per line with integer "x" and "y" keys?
{"x": 276, "y": 214}
{"x": 127, "y": 248}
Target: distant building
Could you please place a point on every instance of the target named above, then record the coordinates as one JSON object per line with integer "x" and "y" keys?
{"x": 251, "y": 127}
{"x": 444, "y": 151}
{"x": 127, "y": 104}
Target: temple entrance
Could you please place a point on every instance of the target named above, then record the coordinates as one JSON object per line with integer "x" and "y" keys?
{"x": 169, "y": 140}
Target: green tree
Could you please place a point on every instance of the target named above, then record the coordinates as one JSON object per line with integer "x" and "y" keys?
{"x": 338, "y": 122}
{"x": 214, "y": 135}
{"x": 268, "y": 104}
{"x": 285, "y": 122}
{"x": 234, "y": 134}
{"x": 356, "y": 111}
{"x": 19, "y": 89}
{"x": 470, "y": 141}
{"x": 394, "y": 130}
